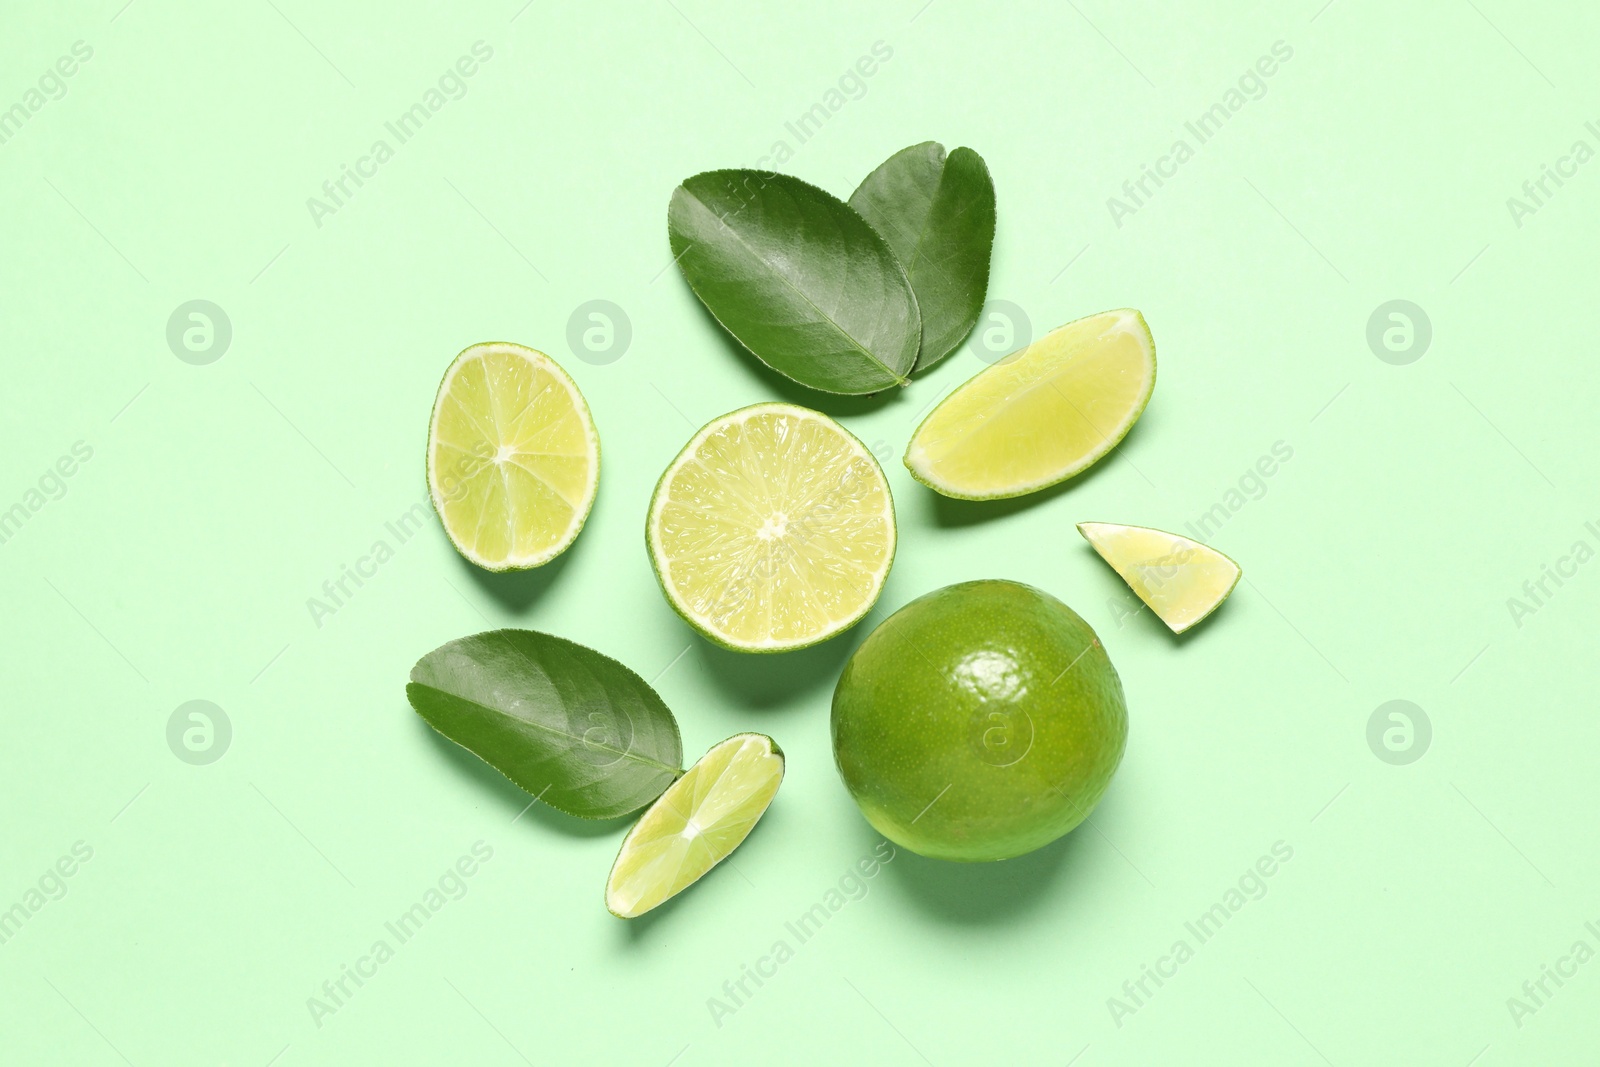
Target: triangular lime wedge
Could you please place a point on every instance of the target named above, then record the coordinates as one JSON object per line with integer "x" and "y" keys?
{"x": 1182, "y": 581}
{"x": 695, "y": 824}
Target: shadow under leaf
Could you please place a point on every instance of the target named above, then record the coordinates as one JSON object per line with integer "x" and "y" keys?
{"x": 788, "y": 389}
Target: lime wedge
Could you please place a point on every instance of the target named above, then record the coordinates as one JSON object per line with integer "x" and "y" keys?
{"x": 772, "y": 530}
{"x": 513, "y": 457}
{"x": 1182, "y": 581}
{"x": 1040, "y": 415}
{"x": 695, "y": 824}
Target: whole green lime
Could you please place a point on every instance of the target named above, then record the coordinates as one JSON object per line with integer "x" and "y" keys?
{"x": 979, "y": 722}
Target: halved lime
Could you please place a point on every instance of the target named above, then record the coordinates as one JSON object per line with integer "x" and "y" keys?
{"x": 1181, "y": 580}
{"x": 513, "y": 457}
{"x": 693, "y": 826}
{"x": 772, "y": 530}
{"x": 1040, "y": 415}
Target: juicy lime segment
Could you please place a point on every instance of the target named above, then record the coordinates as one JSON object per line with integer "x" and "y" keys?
{"x": 1040, "y": 415}
{"x": 513, "y": 457}
{"x": 695, "y": 824}
{"x": 773, "y": 529}
{"x": 1181, "y": 580}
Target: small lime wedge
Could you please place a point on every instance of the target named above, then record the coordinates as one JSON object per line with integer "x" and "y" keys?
{"x": 772, "y": 530}
{"x": 1181, "y": 580}
{"x": 1040, "y": 415}
{"x": 513, "y": 457}
{"x": 695, "y": 824}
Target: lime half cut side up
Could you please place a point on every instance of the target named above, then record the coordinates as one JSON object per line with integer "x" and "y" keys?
{"x": 1179, "y": 579}
{"x": 1040, "y": 415}
{"x": 772, "y": 530}
{"x": 695, "y": 824}
{"x": 513, "y": 457}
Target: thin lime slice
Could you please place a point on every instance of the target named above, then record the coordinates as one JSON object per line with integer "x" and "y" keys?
{"x": 513, "y": 457}
{"x": 1040, "y": 415}
{"x": 695, "y": 824}
{"x": 1181, "y": 580}
{"x": 772, "y": 530}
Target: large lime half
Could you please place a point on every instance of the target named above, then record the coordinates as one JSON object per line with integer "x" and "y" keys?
{"x": 772, "y": 530}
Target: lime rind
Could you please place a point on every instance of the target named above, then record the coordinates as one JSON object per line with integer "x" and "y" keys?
{"x": 695, "y": 824}
{"x": 920, "y": 468}
{"x": 689, "y": 454}
{"x": 437, "y": 494}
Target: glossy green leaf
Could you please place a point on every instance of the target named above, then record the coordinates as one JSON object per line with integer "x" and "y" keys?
{"x": 798, "y": 278}
{"x": 575, "y": 728}
{"x": 937, "y": 213}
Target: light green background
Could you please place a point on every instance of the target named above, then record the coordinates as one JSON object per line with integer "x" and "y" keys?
{"x": 178, "y": 564}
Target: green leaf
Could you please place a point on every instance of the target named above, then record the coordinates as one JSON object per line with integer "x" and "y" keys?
{"x": 798, "y": 278}
{"x": 937, "y": 213}
{"x": 576, "y": 729}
